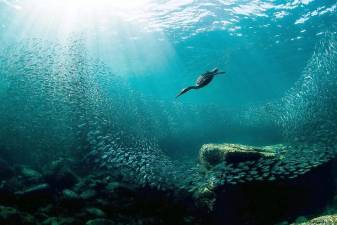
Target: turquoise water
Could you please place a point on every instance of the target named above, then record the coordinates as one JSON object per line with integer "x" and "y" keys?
{"x": 101, "y": 77}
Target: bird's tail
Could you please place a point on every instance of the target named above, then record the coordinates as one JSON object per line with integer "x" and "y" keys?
{"x": 186, "y": 90}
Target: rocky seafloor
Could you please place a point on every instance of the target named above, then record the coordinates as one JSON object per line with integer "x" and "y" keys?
{"x": 66, "y": 192}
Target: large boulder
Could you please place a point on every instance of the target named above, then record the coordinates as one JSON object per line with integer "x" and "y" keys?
{"x": 212, "y": 154}
{"x": 100, "y": 222}
{"x": 12, "y": 216}
{"x": 37, "y": 191}
{"x": 322, "y": 220}
{"x": 259, "y": 185}
{"x": 61, "y": 221}
{"x": 9, "y": 216}
{"x": 34, "y": 196}
{"x": 70, "y": 199}
{"x": 95, "y": 212}
{"x": 29, "y": 175}
{"x": 59, "y": 175}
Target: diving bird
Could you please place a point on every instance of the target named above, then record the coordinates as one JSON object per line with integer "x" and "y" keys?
{"x": 202, "y": 80}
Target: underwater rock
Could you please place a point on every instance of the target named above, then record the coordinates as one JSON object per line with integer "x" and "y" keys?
{"x": 61, "y": 221}
{"x": 119, "y": 188}
{"x": 88, "y": 194}
{"x": 95, "y": 212}
{"x": 60, "y": 176}
{"x": 249, "y": 185}
{"x": 100, "y": 222}
{"x": 213, "y": 154}
{"x": 70, "y": 199}
{"x": 69, "y": 194}
{"x": 91, "y": 182}
{"x": 205, "y": 197}
{"x": 29, "y": 175}
{"x": 9, "y": 216}
{"x": 35, "y": 195}
{"x": 301, "y": 219}
{"x": 5, "y": 170}
{"x": 79, "y": 186}
{"x": 35, "y": 189}
{"x": 29, "y": 172}
{"x": 269, "y": 202}
{"x": 322, "y": 220}
{"x": 12, "y": 216}
{"x": 112, "y": 186}
{"x": 94, "y": 197}
{"x": 43, "y": 211}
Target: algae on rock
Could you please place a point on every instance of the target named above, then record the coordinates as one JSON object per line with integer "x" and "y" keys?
{"x": 322, "y": 220}
{"x": 213, "y": 154}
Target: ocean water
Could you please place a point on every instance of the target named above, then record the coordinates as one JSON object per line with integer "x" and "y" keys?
{"x": 101, "y": 78}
